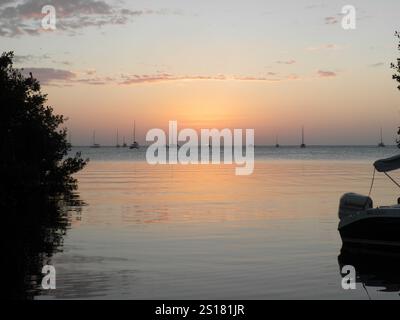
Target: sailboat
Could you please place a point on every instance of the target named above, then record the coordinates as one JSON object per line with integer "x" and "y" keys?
{"x": 276, "y": 142}
{"x": 381, "y": 144}
{"x": 94, "y": 145}
{"x": 124, "y": 145}
{"x": 303, "y": 145}
{"x": 134, "y": 144}
{"x": 117, "y": 145}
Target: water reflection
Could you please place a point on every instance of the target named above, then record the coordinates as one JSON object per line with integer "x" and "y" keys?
{"x": 35, "y": 229}
{"x": 375, "y": 267}
{"x": 195, "y": 232}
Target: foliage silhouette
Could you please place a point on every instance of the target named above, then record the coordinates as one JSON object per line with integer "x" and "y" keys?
{"x": 32, "y": 144}
{"x": 396, "y": 67}
{"x": 36, "y": 193}
{"x": 396, "y": 76}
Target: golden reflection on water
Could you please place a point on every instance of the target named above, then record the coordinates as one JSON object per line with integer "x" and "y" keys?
{"x": 121, "y": 193}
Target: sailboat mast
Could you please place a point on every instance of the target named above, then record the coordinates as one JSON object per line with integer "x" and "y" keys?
{"x": 117, "y": 137}
{"x": 302, "y": 135}
{"x": 134, "y": 130}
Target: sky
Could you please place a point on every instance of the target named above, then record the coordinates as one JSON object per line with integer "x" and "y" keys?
{"x": 273, "y": 66}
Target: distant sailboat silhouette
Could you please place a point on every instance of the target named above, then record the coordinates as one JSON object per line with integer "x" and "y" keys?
{"x": 117, "y": 145}
{"x": 134, "y": 144}
{"x": 94, "y": 145}
{"x": 381, "y": 144}
{"x": 303, "y": 145}
{"x": 124, "y": 145}
{"x": 276, "y": 142}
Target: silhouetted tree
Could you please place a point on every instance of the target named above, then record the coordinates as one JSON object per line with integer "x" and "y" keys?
{"x": 33, "y": 145}
{"x": 36, "y": 180}
{"x": 396, "y": 67}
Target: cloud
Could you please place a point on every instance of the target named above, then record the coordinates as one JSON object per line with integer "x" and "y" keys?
{"x": 30, "y": 58}
{"x": 292, "y": 77}
{"x": 49, "y": 75}
{"x": 329, "y": 46}
{"x": 163, "y": 77}
{"x": 90, "y": 77}
{"x": 90, "y": 72}
{"x": 23, "y": 58}
{"x": 24, "y": 18}
{"x": 57, "y": 77}
{"x": 64, "y": 62}
{"x": 326, "y": 74}
{"x": 378, "y": 64}
{"x": 286, "y": 62}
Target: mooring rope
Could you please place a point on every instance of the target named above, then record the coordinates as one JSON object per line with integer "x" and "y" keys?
{"x": 370, "y": 189}
{"x": 372, "y": 183}
{"x": 392, "y": 180}
{"x": 365, "y": 288}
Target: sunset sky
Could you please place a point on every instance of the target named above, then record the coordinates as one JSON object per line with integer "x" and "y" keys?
{"x": 269, "y": 65}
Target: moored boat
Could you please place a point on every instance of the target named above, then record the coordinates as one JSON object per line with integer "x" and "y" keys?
{"x": 361, "y": 223}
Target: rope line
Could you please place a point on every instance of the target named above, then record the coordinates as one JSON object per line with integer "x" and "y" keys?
{"x": 372, "y": 183}
{"x": 392, "y": 179}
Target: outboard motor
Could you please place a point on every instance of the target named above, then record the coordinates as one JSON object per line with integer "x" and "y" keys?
{"x": 351, "y": 203}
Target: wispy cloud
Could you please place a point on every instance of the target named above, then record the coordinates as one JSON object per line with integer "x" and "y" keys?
{"x": 326, "y": 74}
{"x": 286, "y": 62}
{"x": 24, "y": 17}
{"x": 329, "y": 46}
{"x": 30, "y": 58}
{"x": 39, "y": 59}
{"x": 137, "y": 79}
{"x": 376, "y": 65}
{"x": 162, "y": 77}
{"x": 49, "y": 75}
{"x": 57, "y": 77}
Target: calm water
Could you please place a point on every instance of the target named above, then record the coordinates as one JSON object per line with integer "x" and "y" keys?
{"x": 200, "y": 232}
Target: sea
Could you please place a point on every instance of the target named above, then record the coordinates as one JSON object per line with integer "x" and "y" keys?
{"x": 200, "y": 231}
